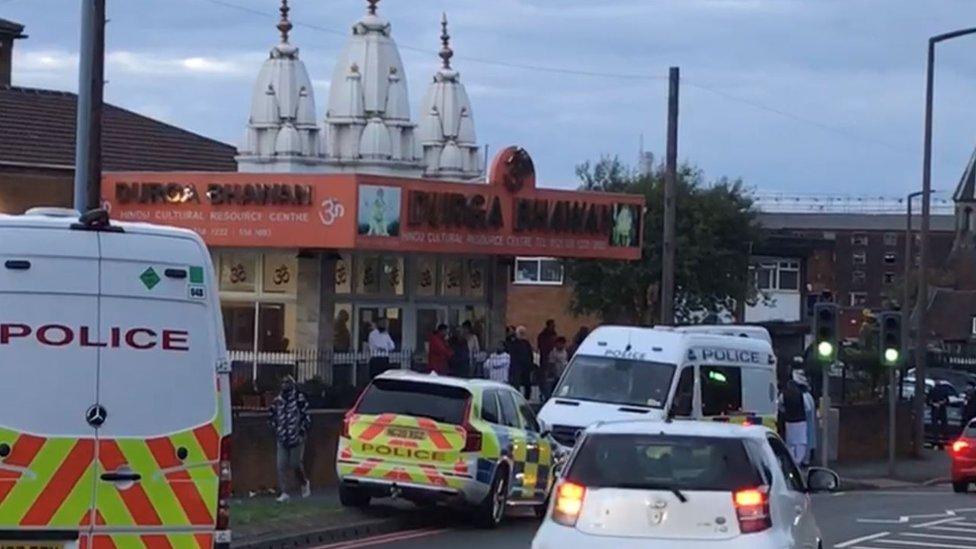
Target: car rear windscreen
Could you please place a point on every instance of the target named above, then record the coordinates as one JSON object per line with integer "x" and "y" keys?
{"x": 664, "y": 462}
{"x": 441, "y": 403}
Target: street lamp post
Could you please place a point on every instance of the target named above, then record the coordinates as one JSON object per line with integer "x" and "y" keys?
{"x": 921, "y": 343}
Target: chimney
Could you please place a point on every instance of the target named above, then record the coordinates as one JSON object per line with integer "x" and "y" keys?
{"x": 9, "y": 31}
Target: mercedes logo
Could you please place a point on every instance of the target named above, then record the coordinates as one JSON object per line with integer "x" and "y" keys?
{"x": 95, "y": 416}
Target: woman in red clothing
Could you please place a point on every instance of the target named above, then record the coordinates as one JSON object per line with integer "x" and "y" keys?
{"x": 438, "y": 351}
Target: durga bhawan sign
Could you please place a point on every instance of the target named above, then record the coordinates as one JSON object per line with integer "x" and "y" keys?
{"x": 344, "y": 212}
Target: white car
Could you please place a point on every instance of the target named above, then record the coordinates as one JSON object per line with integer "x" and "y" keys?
{"x": 682, "y": 484}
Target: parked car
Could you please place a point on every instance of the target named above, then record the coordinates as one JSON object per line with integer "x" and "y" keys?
{"x": 963, "y": 453}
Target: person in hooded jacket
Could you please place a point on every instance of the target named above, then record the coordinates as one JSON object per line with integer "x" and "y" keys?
{"x": 289, "y": 417}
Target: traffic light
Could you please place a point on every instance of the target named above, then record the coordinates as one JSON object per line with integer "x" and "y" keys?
{"x": 825, "y": 331}
{"x": 889, "y": 341}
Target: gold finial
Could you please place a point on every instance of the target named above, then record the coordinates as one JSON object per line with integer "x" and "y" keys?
{"x": 446, "y": 52}
{"x": 372, "y": 6}
{"x": 285, "y": 24}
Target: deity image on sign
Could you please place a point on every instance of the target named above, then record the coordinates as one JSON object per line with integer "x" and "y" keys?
{"x": 626, "y": 226}
{"x": 379, "y": 211}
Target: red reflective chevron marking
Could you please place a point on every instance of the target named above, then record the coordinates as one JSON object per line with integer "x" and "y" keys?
{"x": 135, "y": 498}
{"x": 204, "y": 541}
{"x": 434, "y": 433}
{"x": 209, "y": 440}
{"x": 22, "y": 454}
{"x": 365, "y": 467}
{"x": 64, "y": 480}
{"x": 377, "y": 428}
{"x": 156, "y": 541}
{"x": 180, "y": 482}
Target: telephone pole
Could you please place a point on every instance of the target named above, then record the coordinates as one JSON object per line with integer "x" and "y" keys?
{"x": 670, "y": 182}
{"x": 91, "y": 81}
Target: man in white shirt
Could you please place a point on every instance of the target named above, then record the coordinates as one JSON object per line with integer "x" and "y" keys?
{"x": 380, "y": 345}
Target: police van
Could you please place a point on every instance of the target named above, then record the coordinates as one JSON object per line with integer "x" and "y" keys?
{"x": 114, "y": 397}
{"x": 622, "y": 373}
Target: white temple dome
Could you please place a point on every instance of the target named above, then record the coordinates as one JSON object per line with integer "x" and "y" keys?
{"x": 368, "y": 118}
{"x": 282, "y": 132}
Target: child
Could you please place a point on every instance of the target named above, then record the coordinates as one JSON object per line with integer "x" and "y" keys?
{"x": 498, "y": 363}
{"x": 557, "y": 360}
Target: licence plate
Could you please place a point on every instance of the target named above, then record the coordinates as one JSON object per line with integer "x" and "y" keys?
{"x": 399, "y": 432}
{"x": 29, "y": 545}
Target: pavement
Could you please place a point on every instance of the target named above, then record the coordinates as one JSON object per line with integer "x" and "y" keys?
{"x": 930, "y": 469}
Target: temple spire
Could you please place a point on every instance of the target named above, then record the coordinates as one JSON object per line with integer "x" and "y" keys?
{"x": 372, "y": 6}
{"x": 284, "y": 25}
{"x": 446, "y": 52}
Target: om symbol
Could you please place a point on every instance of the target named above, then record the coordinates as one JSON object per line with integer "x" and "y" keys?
{"x": 238, "y": 274}
{"x": 282, "y": 275}
{"x": 331, "y": 210}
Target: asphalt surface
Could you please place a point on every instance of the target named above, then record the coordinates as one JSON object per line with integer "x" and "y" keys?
{"x": 919, "y": 518}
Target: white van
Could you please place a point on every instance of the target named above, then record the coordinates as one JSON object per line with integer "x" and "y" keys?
{"x": 115, "y": 398}
{"x": 622, "y": 373}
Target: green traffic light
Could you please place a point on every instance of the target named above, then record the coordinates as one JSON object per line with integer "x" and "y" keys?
{"x": 891, "y": 355}
{"x": 825, "y": 349}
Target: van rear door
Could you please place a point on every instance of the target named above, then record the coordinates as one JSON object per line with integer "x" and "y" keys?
{"x": 49, "y": 279}
{"x": 159, "y": 445}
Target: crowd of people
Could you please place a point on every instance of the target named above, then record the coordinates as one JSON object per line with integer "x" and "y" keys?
{"x": 513, "y": 360}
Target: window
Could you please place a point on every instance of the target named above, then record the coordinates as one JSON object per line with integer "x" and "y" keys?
{"x": 777, "y": 275}
{"x": 258, "y": 294}
{"x": 441, "y": 403}
{"x": 890, "y": 258}
{"x": 538, "y": 270}
{"x": 859, "y": 299}
{"x": 528, "y": 417}
{"x": 721, "y": 389}
{"x": 656, "y": 461}
{"x": 489, "y": 408}
{"x": 860, "y": 257}
{"x": 509, "y": 411}
{"x": 858, "y": 277}
{"x": 794, "y": 479}
{"x": 891, "y": 239}
{"x": 616, "y": 381}
{"x": 889, "y": 278}
{"x": 859, "y": 240}
{"x": 684, "y": 394}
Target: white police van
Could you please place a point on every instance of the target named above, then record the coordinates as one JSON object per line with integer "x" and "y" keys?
{"x": 622, "y": 373}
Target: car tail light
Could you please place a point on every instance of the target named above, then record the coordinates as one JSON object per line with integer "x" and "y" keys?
{"x": 472, "y": 436}
{"x": 959, "y": 446}
{"x": 752, "y": 509}
{"x": 224, "y": 490}
{"x": 569, "y": 503}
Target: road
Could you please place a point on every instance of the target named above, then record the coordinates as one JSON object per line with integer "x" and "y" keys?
{"x": 918, "y": 518}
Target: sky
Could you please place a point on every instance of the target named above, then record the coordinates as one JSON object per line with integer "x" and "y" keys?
{"x": 801, "y": 97}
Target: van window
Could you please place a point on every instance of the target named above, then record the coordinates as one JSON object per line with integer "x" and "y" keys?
{"x": 721, "y": 388}
{"x": 663, "y": 462}
{"x": 617, "y": 381}
{"x": 489, "y": 408}
{"x": 685, "y": 394}
{"x": 441, "y": 403}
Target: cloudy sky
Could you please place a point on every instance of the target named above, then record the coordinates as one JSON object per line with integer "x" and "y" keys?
{"x": 794, "y": 96}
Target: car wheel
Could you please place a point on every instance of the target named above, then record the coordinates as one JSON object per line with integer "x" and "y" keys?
{"x": 960, "y": 487}
{"x": 352, "y": 497}
{"x": 491, "y": 511}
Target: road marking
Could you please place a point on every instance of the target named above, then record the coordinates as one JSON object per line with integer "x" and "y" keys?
{"x": 899, "y": 520}
{"x": 385, "y": 538}
{"x": 953, "y": 529}
{"x": 937, "y": 522}
{"x": 924, "y": 544}
{"x": 939, "y": 536}
{"x": 851, "y": 542}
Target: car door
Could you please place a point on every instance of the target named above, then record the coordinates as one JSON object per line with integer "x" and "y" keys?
{"x": 794, "y": 511}
{"x": 538, "y": 467}
{"x": 49, "y": 349}
{"x": 518, "y": 444}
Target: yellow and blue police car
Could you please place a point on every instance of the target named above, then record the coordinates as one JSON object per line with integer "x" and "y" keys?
{"x": 437, "y": 439}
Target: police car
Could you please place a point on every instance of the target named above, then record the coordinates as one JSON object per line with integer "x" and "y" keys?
{"x": 681, "y": 485}
{"x": 435, "y": 439}
{"x": 115, "y": 400}
{"x": 622, "y": 372}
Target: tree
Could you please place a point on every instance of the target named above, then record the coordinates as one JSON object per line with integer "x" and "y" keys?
{"x": 716, "y": 231}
